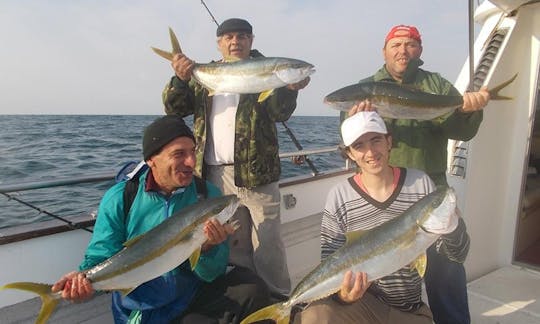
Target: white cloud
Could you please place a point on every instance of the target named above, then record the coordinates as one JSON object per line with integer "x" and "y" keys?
{"x": 94, "y": 57}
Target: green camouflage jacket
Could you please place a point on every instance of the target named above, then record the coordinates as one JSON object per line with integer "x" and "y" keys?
{"x": 422, "y": 144}
{"x": 256, "y": 148}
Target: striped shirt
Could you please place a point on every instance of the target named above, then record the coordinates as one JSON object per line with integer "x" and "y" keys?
{"x": 349, "y": 208}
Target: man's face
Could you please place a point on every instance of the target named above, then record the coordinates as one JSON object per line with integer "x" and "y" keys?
{"x": 173, "y": 166}
{"x": 235, "y": 44}
{"x": 398, "y": 52}
{"x": 371, "y": 152}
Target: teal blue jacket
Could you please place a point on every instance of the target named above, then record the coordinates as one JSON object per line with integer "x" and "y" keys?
{"x": 165, "y": 297}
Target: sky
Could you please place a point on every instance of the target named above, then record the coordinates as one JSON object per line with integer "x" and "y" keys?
{"x": 94, "y": 57}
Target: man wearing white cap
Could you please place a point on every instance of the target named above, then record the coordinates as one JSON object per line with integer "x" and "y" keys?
{"x": 377, "y": 193}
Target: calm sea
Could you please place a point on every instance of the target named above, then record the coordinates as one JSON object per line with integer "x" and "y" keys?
{"x": 45, "y": 147}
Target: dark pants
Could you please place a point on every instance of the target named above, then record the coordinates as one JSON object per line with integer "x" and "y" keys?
{"x": 228, "y": 299}
{"x": 446, "y": 288}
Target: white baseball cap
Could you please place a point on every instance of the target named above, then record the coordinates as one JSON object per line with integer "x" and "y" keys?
{"x": 361, "y": 123}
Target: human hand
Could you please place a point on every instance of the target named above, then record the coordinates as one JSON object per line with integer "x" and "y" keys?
{"x": 75, "y": 287}
{"x": 216, "y": 233}
{"x": 299, "y": 85}
{"x": 474, "y": 101}
{"x": 182, "y": 66}
{"x": 364, "y": 105}
{"x": 353, "y": 286}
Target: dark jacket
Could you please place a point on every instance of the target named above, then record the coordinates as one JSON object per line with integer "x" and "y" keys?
{"x": 256, "y": 148}
{"x": 422, "y": 144}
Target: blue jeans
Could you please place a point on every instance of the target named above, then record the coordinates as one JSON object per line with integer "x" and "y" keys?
{"x": 446, "y": 288}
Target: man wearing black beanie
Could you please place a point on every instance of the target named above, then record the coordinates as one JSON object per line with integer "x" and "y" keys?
{"x": 161, "y": 132}
{"x": 205, "y": 293}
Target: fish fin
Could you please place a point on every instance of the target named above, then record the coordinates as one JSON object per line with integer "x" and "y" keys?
{"x": 48, "y": 299}
{"x": 420, "y": 264}
{"x": 194, "y": 258}
{"x": 166, "y": 55}
{"x": 132, "y": 241}
{"x": 277, "y": 312}
{"x": 494, "y": 93}
{"x": 231, "y": 59}
{"x": 410, "y": 87}
{"x": 354, "y": 235}
{"x": 264, "y": 95}
{"x": 174, "y": 42}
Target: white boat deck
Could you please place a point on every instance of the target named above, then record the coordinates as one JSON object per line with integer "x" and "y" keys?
{"x": 95, "y": 311}
{"x": 509, "y": 295}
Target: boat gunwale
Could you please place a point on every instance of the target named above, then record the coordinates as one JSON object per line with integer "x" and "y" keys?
{"x": 34, "y": 230}
{"x": 86, "y": 220}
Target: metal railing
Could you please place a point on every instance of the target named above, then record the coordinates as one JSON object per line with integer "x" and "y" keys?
{"x": 82, "y": 222}
{"x": 106, "y": 176}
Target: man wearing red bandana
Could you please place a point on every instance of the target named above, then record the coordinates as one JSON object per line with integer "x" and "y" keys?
{"x": 422, "y": 144}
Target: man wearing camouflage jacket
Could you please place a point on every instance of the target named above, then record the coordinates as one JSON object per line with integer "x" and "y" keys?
{"x": 237, "y": 150}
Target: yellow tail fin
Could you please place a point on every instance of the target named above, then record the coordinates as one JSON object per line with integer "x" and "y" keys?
{"x": 48, "y": 299}
{"x": 279, "y": 312}
{"x": 175, "y": 47}
{"x": 494, "y": 93}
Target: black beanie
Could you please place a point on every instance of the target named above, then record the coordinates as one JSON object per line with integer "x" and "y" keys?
{"x": 161, "y": 131}
{"x": 234, "y": 25}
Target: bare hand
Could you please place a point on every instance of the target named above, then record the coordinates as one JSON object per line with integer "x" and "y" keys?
{"x": 353, "y": 286}
{"x": 474, "y": 101}
{"x": 299, "y": 85}
{"x": 215, "y": 233}
{"x": 75, "y": 287}
{"x": 361, "y": 106}
{"x": 182, "y": 66}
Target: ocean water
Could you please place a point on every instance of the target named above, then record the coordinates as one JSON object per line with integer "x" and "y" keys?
{"x": 47, "y": 147}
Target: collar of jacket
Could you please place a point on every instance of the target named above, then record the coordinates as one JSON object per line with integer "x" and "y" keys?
{"x": 253, "y": 53}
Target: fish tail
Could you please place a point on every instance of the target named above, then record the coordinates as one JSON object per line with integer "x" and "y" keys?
{"x": 278, "y": 312}
{"x": 174, "y": 42}
{"x": 494, "y": 93}
{"x": 175, "y": 47}
{"x": 166, "y": 55}
{"x": 48, "y": 299}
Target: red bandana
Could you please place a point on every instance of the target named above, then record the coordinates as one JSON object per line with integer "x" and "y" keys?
{"x": 403, "y": 31}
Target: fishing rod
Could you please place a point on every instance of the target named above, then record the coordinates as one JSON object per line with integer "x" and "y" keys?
{"x": 69, "y": 223}
{"x": 471, "y": 46}
{"x": 298, "y": 159}
{"x": 209, "y": 12}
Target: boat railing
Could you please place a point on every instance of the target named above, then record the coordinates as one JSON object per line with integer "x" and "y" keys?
{"x": 106, "y": 176}
{"x": 85, "y": 221}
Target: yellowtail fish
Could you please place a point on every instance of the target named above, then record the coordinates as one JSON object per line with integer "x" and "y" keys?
{"x": 378, "y": 252}
{"x": 256, "y": 75}
{"x": 393, "y": 100}
{"x": 147, "y": 256}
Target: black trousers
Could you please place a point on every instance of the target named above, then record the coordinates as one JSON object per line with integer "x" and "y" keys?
{"x": 228, "y": 299}
{"x": 446, "y": 287}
